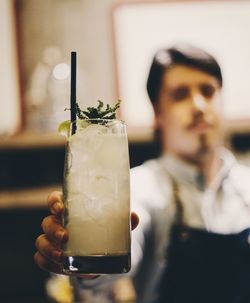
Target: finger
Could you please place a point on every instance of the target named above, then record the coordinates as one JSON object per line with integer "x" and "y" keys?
{"x": 46, "y": 264}
{"x": 134, "y": 220}
{"x": 54, "y": 231}
{"x": 48, "y": 250}
{"x": 55, "y": 203}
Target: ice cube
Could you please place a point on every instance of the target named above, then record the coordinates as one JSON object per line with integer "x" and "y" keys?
{"x": 86, "y": 144}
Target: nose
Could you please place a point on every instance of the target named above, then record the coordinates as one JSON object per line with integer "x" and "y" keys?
{"x": 198, "y": 102}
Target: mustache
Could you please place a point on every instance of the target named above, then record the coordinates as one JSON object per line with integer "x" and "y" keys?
{"x": 197, "y": 120}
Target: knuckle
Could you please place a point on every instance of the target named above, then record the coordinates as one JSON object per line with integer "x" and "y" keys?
{"x": 44, "y": 223}
{"x": 35, "y": 258}
{"x": 55, "y": 196}
{"x": 44, "y": 247}
{"x": 38, "y": 241}
{"x": 48, "y": 222}
{"x": 51, "y": 199}
{"x": 40, "y": 261}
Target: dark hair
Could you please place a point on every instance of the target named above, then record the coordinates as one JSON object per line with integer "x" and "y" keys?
{"x": 183, "y": 54}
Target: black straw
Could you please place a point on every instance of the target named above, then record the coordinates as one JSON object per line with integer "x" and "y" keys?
{"x": 73, "y": 91}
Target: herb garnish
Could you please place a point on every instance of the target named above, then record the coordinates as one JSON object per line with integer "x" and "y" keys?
{"x": 99, "y": 112}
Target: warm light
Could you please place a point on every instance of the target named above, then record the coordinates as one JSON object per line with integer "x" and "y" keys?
{"x": 61, "y": 71}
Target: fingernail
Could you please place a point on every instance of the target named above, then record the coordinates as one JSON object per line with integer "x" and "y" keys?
{"x": 57, "y": 255}
{"x": 57, "y": 207}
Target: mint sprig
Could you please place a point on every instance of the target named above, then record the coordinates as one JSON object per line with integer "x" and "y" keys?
{"x": 99, "y": 112}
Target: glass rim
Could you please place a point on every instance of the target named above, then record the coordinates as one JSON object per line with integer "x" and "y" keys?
{"x": 98, "y": 119}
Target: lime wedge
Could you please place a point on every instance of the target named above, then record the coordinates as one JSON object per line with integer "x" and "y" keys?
{"x": 63, "y": 128}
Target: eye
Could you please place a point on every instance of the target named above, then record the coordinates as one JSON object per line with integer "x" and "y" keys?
{"x": 179, "y": 94}
{"x": 207, "y": 90}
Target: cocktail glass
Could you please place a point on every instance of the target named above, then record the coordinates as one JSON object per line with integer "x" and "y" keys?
{"x": 97, "y": 198}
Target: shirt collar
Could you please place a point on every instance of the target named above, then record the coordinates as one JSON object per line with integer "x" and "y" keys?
{"x": 184, "y": 172}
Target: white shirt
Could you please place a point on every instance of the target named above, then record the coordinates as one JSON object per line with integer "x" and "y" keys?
{"x": 223, "y": 207}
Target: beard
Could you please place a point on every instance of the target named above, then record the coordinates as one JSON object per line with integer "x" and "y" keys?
{"x": 190, "y": 146}
{"x": 204, "y": 149}
{"x": 200, "y": 152}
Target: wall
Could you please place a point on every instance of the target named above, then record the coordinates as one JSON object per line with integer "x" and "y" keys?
{"x": 9, "y": 86}
{"x": 81, "y": 25}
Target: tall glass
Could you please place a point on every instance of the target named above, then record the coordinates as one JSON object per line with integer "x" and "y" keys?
{"x": 97, "y": 198}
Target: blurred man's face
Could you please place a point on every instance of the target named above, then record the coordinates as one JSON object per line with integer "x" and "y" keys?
{"x": 188, "y": 112}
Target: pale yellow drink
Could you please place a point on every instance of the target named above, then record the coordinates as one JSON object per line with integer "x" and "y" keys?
{"x": 96, "y": 195}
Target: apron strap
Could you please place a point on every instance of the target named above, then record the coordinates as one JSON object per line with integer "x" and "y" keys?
{"x": 179, "y": 207}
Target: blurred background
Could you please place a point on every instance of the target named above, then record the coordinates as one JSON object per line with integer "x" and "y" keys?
{"x": 115, "y": 41}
